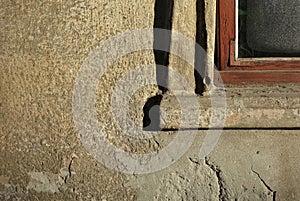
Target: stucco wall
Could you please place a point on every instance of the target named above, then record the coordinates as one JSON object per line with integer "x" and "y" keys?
{"x": 43, "y": 47}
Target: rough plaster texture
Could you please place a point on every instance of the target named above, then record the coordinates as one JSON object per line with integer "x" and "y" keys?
{"x": 184, "y": 22}
{"x": 258, "y": 166}
{"x": 210, "y": 20}
{"x": 247, "y": 107}
{"x": 43, "y": 44}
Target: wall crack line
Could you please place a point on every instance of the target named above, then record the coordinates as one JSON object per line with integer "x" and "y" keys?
{"x": 69, "y": 170}
{"x": 223, "y": 195}
{"x": 264, "y": 183}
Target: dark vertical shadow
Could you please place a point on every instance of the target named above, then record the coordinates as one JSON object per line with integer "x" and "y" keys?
{"x": 200, "y": 54}
{"x": 217, "y": 44}
{"x": 163, "y": 12}
{"x": 163, "y": 19}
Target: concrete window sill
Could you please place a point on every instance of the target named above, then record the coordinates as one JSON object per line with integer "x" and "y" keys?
{"x": 247, "y": 107}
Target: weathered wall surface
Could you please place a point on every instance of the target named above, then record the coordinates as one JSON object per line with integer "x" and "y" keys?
{"x": 42, "y": 47}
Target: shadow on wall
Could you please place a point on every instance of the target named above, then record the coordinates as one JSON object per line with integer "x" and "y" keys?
{"x": 163, "y": 12}
{"x": 151, "y": 120}
{"x": 163, "y": 19}
{"x": 201, "y": 39}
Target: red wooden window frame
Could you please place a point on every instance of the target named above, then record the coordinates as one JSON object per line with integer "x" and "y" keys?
{"x": 249, "y": 70}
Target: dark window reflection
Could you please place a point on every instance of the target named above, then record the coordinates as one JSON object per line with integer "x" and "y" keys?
{"x": 269, "y": 28}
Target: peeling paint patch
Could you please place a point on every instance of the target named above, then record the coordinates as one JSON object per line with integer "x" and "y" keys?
{"x": 296, "y": 112}
{"x": 231, "y": 119}
{"x": 42, "y": 182}
{"x": 273, "y": 113}
{"x": 49, "y": 182}
{"x": 4, "y": 180}
{"x": 255, "y": 114}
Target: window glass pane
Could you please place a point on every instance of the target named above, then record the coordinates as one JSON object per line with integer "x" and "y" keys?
{"x": 268, "y": 28}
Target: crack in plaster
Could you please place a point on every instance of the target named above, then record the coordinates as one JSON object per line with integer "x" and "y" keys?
{"x": 223, "y": 195}
{"x": 265, "y": 184}
{"x": 50, "y": 182}
{"x": 69, "y": 170}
